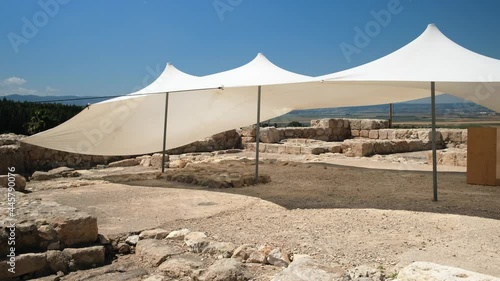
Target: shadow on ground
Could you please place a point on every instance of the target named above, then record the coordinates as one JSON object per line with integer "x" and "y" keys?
{"x": 323, "y": 186}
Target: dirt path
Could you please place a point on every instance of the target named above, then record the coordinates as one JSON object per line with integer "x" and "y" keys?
{"x": 122, "y": 208}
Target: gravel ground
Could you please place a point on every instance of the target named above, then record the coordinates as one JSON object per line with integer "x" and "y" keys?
{"x": 340, "y": 215}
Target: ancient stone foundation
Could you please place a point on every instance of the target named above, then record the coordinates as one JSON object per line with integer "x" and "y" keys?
{"x": 48, "y": 238}
{"x": 27, "y": 158}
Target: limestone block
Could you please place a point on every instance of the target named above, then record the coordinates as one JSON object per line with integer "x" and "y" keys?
{"x": 79, "y": 229}
{"x": 382, "y": 147}
{"x": 366, "y": 124}
{"x": 269, "y": 135}
{"x": 391, "y": 134}
{"x": 373, "y": 134}
{"x": 125, "y": 163}
{"x": 83, "y": 258}
{"x": 24, "y": 264}
{"x": 289, "y": 132}
{"x": 292, "y": 149}
{"x": 248, "y": 131}
{"x": 435, "y": 272}
{"x": 247, "y": 139}
{"x": 156, "y": 160}
{"x": 312, "y": 150}
{"x": 337, "y": 148}
{"x": 415, "y": 145}
{"x": 400, "y": 146}
{"x": 272, "y": 147}
{"x": 354, "y": 148}
{"x": 355, "y": 124}
{"x": 382, "y": 134}
{"x": 42, "y": 176}
{"x": 18, "y": 182}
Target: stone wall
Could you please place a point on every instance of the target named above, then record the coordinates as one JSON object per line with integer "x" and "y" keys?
{"x": 361, "y": 137}
{"x": 225, "y": 140}
{"x": 342, "y": 129}
{"x": 448, "y": 137}
{"x": 323, "y": 129}
{"x": 27, "y": 158}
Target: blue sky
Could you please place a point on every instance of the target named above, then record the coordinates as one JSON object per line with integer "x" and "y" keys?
{"x": 94, "y": 48}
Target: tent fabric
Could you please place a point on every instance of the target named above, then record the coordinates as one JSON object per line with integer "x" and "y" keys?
{"x": 433, "y": 57}
{"x": 133, "y": 124}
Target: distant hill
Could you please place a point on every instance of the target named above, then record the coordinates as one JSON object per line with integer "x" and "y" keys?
{"x": 72, "y": 100}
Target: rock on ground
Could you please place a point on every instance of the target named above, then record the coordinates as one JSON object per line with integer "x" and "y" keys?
{"x": 83, "y": 258}
{"x": 178, "y": 234}
{"x": 125, "y": 163}
{"x": 155, "y": 252}
{"x": 154, "y": 234}
{"x": 25, "y": 263}
{"x": 180, "y": 266}
{"x": 132, "y": 240}
{"x": 426, "y": 271}
{"x": 224, "y": 249}
{"x": 304, "y": 268}
{"x": 227, "y": 270}
{"x": 278, "y": 258}
{"x": 18, "y": 180}
{"x": 243, "y": 252}
{"x": 196, "y": 241}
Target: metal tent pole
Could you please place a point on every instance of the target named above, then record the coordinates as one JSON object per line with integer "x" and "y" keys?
{"x": 257, "y": 138}
{"x": 434, "y": 160}
{"x": 390, "y": 115}
{"x": 164, "y": 134}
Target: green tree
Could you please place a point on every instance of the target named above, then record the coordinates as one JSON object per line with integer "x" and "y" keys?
{"x": 295, "y": 124}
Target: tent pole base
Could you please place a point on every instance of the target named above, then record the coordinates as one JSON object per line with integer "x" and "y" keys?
{"x": 257, "y": 138}
{"x": 434, "y": 158}
{"x": 164, "y": 135}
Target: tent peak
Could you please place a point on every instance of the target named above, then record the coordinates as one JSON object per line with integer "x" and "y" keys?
{"x": 260, "y": 56}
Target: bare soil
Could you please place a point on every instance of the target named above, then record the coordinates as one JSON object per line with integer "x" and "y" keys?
{"x": 340, "y": 215}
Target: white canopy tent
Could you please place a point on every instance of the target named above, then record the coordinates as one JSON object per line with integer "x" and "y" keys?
{"x": 202, "y": 106}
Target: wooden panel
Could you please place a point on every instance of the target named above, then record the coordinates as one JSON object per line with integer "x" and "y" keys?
{"x": 482, "y": 156}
